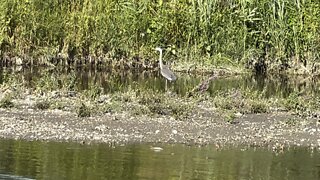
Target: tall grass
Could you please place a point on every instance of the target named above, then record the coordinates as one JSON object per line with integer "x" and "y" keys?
{"x": 278, "y": 32}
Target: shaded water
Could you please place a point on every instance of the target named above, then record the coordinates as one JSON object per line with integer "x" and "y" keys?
{"x": 113, "y": 81}
{"x": 42, "y": 160}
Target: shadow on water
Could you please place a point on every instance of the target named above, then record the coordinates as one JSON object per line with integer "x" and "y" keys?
{"x": 113, "y": 81}
{"x": 42, "y": 160}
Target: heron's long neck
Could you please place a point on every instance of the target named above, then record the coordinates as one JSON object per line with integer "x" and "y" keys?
{"x": 160, "y": 60}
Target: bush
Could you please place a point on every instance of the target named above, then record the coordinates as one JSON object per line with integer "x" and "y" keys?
{"x": 84, "y": 111}
{"x": 6, "y": 102}
{"x": 42, "y": 105}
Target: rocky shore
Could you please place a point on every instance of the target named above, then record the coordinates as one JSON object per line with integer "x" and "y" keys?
{"x": 277, "y": 130}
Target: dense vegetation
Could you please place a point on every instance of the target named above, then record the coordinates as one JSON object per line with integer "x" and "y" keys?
{"x": 262, "y": 33}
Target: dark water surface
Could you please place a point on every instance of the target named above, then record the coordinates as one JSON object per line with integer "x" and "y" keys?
{"x": 112, "y": 81}
{"x": 43, "y": 160}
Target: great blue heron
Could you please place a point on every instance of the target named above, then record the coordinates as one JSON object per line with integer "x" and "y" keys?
{"x": 165, "y": 71}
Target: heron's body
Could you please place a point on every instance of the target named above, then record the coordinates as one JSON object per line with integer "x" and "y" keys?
{"x": 165, "y": 71}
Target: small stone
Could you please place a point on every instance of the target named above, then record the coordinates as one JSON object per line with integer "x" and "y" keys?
{"x": 156, "y": 149}
{"x": 71, "y": 94}
{"x": 19, "y": 61}
{"x": 238, "y": 114}
{"x": 102, "y": 99}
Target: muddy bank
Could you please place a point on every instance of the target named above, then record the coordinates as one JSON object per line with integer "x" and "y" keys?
{"x": 54, "y": 108}
{"x": 275, "y": 129}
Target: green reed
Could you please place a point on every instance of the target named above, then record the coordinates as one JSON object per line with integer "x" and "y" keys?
{"x": 279, "y": 32}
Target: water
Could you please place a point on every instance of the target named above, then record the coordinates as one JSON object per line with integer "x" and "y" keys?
{"x": 43, "y": 160}
{"x": 113, "y": 81}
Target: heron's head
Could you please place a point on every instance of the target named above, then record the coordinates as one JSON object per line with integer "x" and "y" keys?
{"x": 158, "y": 49}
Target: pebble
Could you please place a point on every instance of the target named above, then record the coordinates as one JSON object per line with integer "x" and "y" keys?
{"x": 156, "y": 149}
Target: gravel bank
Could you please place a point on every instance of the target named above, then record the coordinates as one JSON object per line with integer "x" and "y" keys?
{"x": 277, "y": 129}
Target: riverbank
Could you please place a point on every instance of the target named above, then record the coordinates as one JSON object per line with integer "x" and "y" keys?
{"x": 153, "y": 117}
{"x": 276, "y": 130}
{"x": 106, "y": 108}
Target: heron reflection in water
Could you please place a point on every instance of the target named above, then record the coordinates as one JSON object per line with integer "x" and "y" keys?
{"x": 165, "y": 71}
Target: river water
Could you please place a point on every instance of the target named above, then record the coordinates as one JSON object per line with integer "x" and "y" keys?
{"x": 53, "y": 160}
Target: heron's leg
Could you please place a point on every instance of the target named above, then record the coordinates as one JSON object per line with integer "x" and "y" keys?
{"x": 166, "y": 85}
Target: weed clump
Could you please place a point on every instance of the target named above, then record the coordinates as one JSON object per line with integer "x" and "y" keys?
{"x": 93, "y": 92}
{"x": 111, "y": 107}
{"x": 294, "y": 102}
{"x": 230, "y": 117}
{"x": 42, "y": 105}
{"x": 228, "y": 103}
{"x": 180, "y": 111}
{"x": 291, "y": 122}
{"x": 84, "y": 111}
{"x": 6, "y": 102}
{"x": 258, "y": 107}
{"x": 139, "y": 110}
{"x": 158, "y": 109}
